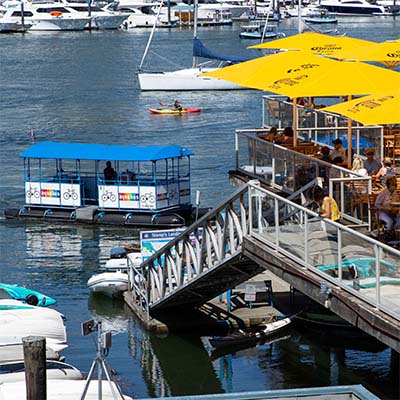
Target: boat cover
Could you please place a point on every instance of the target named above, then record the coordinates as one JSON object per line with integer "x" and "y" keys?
{"x": 199, "y": 50}
{"x": 86, "y": 151}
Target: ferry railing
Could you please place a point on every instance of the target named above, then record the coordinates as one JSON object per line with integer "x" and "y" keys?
{"x": 215, "y": 237}
{"x": 288, "y": 170}
{"x": 320, "y": 126}
{"x": 358, "y": 264}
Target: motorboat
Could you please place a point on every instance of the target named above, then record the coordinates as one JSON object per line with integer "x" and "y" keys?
{"x": 320, "y": 17}
{"x": 352, "y": 7}
{"x": 118, "y": 258}
{"x": 245, "y": 338}
{"x": 45, "y": 16}
{"x": 15, "y": 371}
{"x": 112, "y": 284}
{"x": 213, "y": 14}
{"x": 8, "y": 24}
{"x": 150, "y": 187}
{"x": 188, "y": 78}
{"x": 142, "y": 14}
{"x": 260, "y": 31}
{"x": 57, "y": 389}
{"x": 101, "y": 18}
{"x": 25, "y": 295}
{"x": 11, "y": 350}
{"x": 19, "y": 320}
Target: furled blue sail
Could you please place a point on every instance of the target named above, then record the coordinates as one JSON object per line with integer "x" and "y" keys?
{"x": 199, "y": 50}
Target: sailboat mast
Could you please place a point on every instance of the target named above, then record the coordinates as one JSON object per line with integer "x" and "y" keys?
{"x": 196, "y": 6}
{"x": 299, "y": 16}
{"x": 151, "y": 36}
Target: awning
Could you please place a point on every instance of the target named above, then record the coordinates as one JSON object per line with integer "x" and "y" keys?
{"x": 86, "y": 151}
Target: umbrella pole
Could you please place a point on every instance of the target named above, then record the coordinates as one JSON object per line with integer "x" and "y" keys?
{"x": 349, "y": 138}
{"x": 294, "y": 121}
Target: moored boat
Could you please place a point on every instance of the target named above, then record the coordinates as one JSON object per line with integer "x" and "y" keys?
{"x": 149, "y": 187}
{"x": 259, "y": 31}
{"x": 252, "y": 336}
{"x": 15, "y": 371}
{"x": 19, "y": 320}
{"x": 25, "y": 295}
{"x": 112, "y": 284}
{"x": 320, "y": 17}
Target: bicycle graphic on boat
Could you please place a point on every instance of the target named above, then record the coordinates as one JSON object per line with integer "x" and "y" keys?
{"x": 147, "y": 199}
{"x": 70, "y": 193}
{"x": 33, "y": 192}
{"x": 108, "y": 195}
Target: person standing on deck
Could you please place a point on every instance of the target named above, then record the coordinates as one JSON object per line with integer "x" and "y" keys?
{"x": 109, "y": 173}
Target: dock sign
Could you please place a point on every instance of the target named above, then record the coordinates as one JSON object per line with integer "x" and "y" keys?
{"x": 250, "y": 293}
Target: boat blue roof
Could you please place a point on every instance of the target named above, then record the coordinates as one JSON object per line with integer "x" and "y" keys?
{"x": 86, "y": 151}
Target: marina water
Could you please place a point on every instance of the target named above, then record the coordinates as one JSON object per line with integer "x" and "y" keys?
{"x": 81, "y": 87}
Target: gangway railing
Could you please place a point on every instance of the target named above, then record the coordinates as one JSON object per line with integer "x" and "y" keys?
{"x": 367, "y": 269}
{"x": 358, "y": 264}
{"x": 215, "y": 237}
{"x": 290, "y": 171}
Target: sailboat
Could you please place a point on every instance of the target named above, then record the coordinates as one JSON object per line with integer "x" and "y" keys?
{"x": 188, "y": 78}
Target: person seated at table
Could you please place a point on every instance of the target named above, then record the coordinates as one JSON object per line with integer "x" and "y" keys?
{"x": 389, "y": 214}
{"x": 370, "y": 164}
{"x": 339, "y": 153}
{"x": 286, "y": 137}
{"x": 327, "y": 204}
{"x": 358, "y": 166}
{"x": 326, "y": 154}
{"x": 386, "y": 170}
{"x": 270, "y": 136}
{"x": 109, "y": 173}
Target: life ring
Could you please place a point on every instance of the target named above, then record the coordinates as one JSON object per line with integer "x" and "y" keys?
{"x": 56, "y": 13}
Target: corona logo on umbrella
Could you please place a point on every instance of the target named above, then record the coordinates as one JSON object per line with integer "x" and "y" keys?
{"x": 315, "y": 43}
{"x": 387, "y": 53}
{"x": 375, "y": 109}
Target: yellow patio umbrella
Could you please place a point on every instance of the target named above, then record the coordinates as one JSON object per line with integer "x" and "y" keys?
{"x": 377, "y": 109}
{"x": 315, "y": 43}
{"x": 302, "y": 74}
{"x": 387, "y": 53}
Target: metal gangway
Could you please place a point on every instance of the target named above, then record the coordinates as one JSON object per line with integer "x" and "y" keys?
{"x": 256, "y": 229}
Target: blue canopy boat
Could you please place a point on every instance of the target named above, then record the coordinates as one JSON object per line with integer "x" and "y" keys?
{"x": 25, "y": 295}
{"x": 148, "y": 185}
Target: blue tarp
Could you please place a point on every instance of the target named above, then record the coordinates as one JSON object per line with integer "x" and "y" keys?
{"x": 85, "y": 151}
{"x": 200, "y": 51}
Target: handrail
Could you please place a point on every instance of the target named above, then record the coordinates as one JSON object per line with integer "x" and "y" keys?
{"x": 218, "y": 236}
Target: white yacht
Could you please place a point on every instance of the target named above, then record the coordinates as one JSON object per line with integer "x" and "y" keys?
{"x": 352, "y": 7}
{"x": 101, "y": 18}
{"x": 45, "y": 16}
{"x": 143, "y": 14}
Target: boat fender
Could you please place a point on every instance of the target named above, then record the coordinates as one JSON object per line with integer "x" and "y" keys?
{"x": 22, "y": 211}
{"x": 47, "y": 212}
{"x": 101, "y": 215}
{"x": 73, "y": 215}
{"x": 32, "y": 300}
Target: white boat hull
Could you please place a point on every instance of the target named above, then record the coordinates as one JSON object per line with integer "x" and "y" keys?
{"x": 54, "y": 370}
{"x": 58, "y": 24}
{"x": 23, "y": 320}
{"x": 185, "y": 79}
{"x": 111, "y": 284}
{"x": 62, "y": 389}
